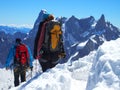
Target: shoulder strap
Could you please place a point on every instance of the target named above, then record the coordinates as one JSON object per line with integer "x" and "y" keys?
{"x": 41, "y": 38}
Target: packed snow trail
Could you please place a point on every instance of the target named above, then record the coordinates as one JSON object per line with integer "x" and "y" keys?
{"x": 61, "y": 77}
{"x": 105, "y": 72}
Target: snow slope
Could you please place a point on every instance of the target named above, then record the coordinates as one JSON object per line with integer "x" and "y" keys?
{"x": 6, "y": 79}
{"x": 105, "y": 72}
{"x": 62, "y": 77}
{"x": 99, "y": 70}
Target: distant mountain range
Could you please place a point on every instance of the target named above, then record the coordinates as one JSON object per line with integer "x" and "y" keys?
{"x": 82, "y": 35}
{"x": 12, "y": 29}
{"x": 88, "y": 31}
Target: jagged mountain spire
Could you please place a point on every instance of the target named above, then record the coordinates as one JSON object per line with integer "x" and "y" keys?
{"x": 102, "y": 18}
{"x": 38, "y": 20}
{"x": 101, "y": 24}
{"x": 40, "y": 17}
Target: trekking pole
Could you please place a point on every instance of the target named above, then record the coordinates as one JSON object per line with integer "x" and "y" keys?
{"x": 31, "y": 73}
{"x": 35, "y": 66}
{"x": 11, "y": 67}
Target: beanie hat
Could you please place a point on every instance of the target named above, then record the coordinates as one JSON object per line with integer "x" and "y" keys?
{"x": 18, "y": 40}
{"x": 51, "y": 17}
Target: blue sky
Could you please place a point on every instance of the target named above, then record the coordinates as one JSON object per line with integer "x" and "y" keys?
{"x": 26, "y": 11}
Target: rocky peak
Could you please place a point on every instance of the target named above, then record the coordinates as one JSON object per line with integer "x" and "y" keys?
{"x": 72, "y": 19}
{"x": 89, "y": 19}
{"x": 39, "y": 19}
{"x": 86, "y": 22}
{"x": 102, "y": 18}
{"x": 101, "y": 24}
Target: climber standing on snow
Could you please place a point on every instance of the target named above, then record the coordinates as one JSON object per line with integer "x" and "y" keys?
{"x": 21, "y": 57}
{"x": 48, "y": 45}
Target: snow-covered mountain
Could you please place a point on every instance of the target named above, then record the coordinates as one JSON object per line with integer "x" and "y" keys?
{"x": 83, "y": 39}
{"x": 13, "y": 29}
{"x": 76, "y": 31}
{"x": 105, "y": 71}
{"x": 98, "y": 70}
{"x": 88, "y": 31}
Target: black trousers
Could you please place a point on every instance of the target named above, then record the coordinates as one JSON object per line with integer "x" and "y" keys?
{"x": 46, "y": 65}
{"x": 48, "y": 60}
{"x": 19, "y": 72}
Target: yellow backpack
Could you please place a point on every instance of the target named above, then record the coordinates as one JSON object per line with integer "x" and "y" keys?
{"x": 53, "y": 37}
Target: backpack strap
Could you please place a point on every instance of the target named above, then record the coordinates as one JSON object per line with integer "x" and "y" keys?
{"x": 41, "y": 38}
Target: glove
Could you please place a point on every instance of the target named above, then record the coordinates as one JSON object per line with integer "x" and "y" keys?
{"x": 62, "y": 55}
{"x": 7, "y": 68}
{"x": 31, "y": 68}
